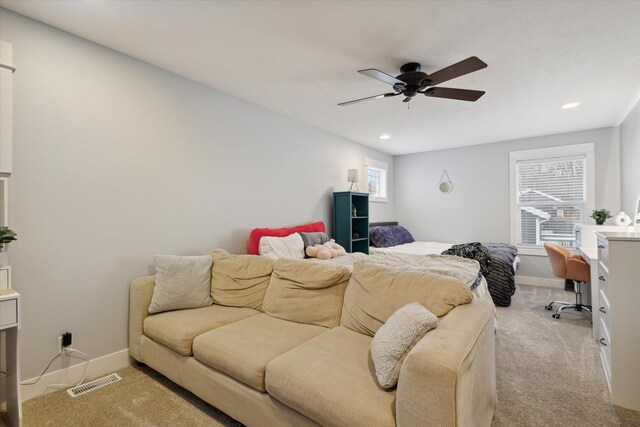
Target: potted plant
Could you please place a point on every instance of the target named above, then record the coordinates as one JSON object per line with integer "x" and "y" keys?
{"x": 6, "y": 236}
{"x": 600, "y": 215}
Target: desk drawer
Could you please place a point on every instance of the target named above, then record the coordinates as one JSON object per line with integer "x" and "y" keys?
{"x": 605, "y": 345}
{"x": 603, "y": 282}
{"x": 8, "y": 312}
{"x": 604, "y": 310}
{"x": 603, "y": 252}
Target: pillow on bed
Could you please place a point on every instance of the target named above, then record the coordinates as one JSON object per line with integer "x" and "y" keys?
{"x": 389, "y": 235}
{"x": 317, "y": 238}
{"x": 290, "y": 247}
{"x": 257, "y": 233}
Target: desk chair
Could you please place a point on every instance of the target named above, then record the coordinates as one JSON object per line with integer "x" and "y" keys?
{"x": 572, "y": 268}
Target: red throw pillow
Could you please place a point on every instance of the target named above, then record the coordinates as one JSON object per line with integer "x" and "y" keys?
{"x": 257, "y": 233}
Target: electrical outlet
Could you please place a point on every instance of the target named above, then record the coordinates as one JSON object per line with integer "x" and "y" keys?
{"x": 64, "y": 341}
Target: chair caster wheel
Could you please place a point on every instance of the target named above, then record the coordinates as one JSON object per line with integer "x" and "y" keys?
{"x": 548, "y": 307}
{"x": 555, "y": 316}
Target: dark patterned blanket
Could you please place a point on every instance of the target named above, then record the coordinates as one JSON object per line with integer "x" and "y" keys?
{"x": 497, "y": 269}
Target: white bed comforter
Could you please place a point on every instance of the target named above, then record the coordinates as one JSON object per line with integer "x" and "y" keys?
{"x": 460, "y": 268}
{"x": 422, "y": 248}
{"x": 415, "y": 248}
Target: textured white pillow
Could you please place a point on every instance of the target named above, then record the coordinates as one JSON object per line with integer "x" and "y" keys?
{"x": 289, "y": 247}
{"x": 181, "y": 282}
{"x": 393, "y": 341}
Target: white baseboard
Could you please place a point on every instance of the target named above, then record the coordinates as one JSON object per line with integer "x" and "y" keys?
{"x": 97, "y": 368}
{"x": 540, "y": 281}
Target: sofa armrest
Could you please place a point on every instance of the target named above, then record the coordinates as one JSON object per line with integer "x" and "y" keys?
{"x": 140, "y": 293}
{"x": 448, "y": 378}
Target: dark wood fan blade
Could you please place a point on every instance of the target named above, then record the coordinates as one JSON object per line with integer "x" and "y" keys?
{"x": 379, "y": 75}
{"x": 461, "y": 68}
{"x": 450, "y": 93}
{"x": 355, "y": 101}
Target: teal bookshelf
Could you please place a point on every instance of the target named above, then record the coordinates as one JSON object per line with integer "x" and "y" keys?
{"x": 349, "y": 231}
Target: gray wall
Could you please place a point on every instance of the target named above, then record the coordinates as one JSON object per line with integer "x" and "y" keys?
{"x": 630, "y": 160}
{"x": 116, "y": 160}
{"x": 478, "y": 207}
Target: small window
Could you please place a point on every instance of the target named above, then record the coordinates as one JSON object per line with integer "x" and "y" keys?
{"x": 376, "y": 180}
{"x": 551, "y": 190}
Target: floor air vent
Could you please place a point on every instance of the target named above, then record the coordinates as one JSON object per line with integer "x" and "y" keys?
{"x": 93, "y": 385}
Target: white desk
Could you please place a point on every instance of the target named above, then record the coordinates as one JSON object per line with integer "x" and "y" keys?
{"x": 591, "y": 256}
{"x": 10, "y": 322}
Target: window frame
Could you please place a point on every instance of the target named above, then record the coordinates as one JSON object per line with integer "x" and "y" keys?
{"x": 381, "y": 167}
{"x": 548, "y": 153}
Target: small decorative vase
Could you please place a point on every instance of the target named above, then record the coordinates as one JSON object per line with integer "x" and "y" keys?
{"x": 599, "y": 221}
{"x": 622, "y": 219}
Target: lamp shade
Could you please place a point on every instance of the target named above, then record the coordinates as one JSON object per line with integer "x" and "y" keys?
{"x": 352, "y": 175}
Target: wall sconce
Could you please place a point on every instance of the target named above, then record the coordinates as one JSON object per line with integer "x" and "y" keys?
{"x": 445, "y": 186}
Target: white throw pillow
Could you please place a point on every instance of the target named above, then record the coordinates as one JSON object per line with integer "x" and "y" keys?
{"x": 289, "y": 247}
{"x": 181, "y": 282}
{"x": 395, "y": 339}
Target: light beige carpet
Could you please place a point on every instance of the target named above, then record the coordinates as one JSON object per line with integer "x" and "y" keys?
{"x": 548, "y": 374}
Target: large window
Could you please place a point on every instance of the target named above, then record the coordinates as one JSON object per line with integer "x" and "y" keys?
{"x": 551, "y": 190}
{"x": 376, "y": 180}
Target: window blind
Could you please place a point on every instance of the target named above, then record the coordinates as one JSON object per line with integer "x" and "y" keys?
{"x": 550, "y": 199}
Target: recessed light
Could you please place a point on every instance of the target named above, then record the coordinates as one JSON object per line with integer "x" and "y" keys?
{"x": 570, "y": 105}
{"x": 384, "y": 136}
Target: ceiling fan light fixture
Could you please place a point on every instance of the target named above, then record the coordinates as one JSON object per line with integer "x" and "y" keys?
{"x": 412, "y": 81}
{"x": 570, "y": 105}
{"x": 384, "y": 136}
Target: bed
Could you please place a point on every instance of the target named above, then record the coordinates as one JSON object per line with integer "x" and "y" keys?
{"x": 499, "y": 270}
{"x": 282, "y": 243}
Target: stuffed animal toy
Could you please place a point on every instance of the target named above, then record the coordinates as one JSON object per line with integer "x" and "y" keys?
{"x": 327, "y": 250}
{"x": 336, "y": 249}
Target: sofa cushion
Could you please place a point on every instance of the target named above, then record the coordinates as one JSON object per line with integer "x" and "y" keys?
{"x": 243, "y": 349}
{"x": 331, "y": 380}
{"x": 375, "y": 292}
{"x": 177, "y": 329}
{"x": 395, "y": 339}
{"x": 239, "y": 280}
{"x": 181, "y": 282}
{"x": 306, "y": 292}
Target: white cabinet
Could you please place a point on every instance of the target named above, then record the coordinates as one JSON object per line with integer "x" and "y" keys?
{"x": 586, "y": 233}
{"x": 10, "y": 325}
{"x": 586, "y": 243}
{"x": 619, "y": 294}
{"x": 6, "y": 106}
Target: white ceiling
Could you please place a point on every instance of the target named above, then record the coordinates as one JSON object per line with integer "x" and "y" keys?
{"x": 300, "y": 59}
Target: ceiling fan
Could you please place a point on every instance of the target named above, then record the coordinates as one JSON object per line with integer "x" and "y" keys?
{"x": 412, "y": 81}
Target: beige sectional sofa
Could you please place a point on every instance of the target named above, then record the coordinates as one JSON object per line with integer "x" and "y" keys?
{"x": 282, "y": 350}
